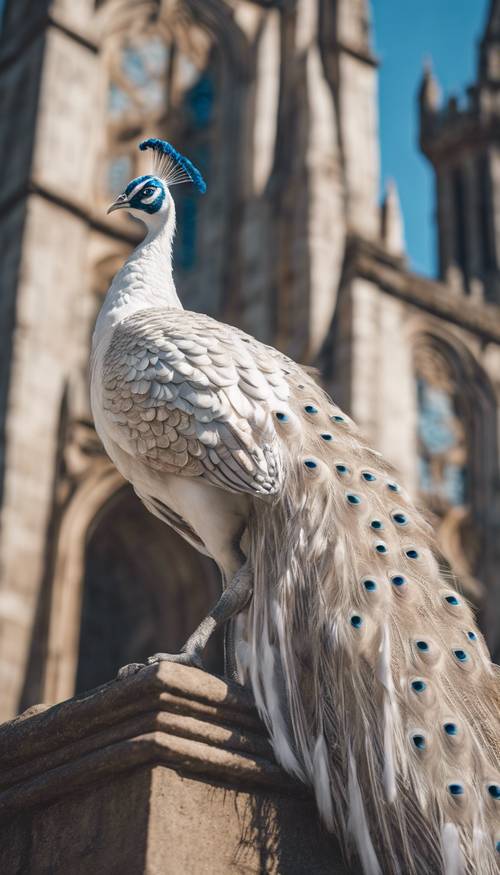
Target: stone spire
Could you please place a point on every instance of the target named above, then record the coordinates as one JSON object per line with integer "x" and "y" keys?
{"x": 392, "y": 226}
{"x": 429, "y": 94}
{"x": 489, "y": 52}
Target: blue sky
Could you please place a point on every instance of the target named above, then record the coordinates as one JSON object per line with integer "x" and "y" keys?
{"x": 405, "y": 34}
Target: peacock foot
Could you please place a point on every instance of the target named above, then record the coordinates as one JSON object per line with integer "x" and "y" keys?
{"x": 126, "y": 671}
{"x": 185, "y": 657}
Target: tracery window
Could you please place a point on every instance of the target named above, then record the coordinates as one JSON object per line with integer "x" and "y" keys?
{"x": 137, "y": 101}
{"x": 160, "y": 83}
{"x": 441, "y": 434}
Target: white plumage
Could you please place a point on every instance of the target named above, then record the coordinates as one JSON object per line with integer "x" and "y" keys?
{"x": 367, "y": 667}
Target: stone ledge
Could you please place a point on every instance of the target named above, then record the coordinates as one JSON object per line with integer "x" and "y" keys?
{"x": 168, "y": 714}
{"x": 168, "y": 771}
{"x": 391, "y": 275}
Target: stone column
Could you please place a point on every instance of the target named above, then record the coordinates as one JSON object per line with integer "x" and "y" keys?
{"x": 52, "y": 81}
{"x": 167, "y": 772}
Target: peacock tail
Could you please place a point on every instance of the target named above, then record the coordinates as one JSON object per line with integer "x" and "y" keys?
{"x": 365, "y": 662}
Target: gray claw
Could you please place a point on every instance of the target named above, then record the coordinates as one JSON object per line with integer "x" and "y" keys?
{"x": 126, "y": 671}
{"x": 184, "y": 658}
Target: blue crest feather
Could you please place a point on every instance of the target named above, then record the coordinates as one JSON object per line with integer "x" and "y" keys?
{"x": 171, "y": 166}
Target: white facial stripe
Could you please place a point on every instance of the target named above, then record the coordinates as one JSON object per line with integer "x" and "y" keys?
{"x": 151, "y": 198}
{"x": 138, "y": 188}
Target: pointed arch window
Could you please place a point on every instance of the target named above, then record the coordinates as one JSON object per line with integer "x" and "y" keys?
{"x": 138, "y": 69}
{"x": 441, "y": 434}
{"x": 162, "y": 76}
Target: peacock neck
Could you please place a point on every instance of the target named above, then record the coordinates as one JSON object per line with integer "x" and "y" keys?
{"x": 145, "y": 280}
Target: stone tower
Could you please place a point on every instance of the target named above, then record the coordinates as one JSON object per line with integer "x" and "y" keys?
{"x": 460, "y": 139}
{"x": 276, "y": 102}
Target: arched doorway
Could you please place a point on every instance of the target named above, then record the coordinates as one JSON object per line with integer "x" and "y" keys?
{"x": 145, "y": 590}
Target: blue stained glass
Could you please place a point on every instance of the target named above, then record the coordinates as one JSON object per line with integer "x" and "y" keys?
{"x": 187, "y": 205}
{"x": 118, "y": 101}
{"x": 436, "y": 418}
{"x": 119, "y": 173}
{"x": 144, "y": 65}
{"x": 188, "y": 221}
{"x": 200, "y": 101}
{"x": 442, "y": 474}
{"x": 454, "y": 483}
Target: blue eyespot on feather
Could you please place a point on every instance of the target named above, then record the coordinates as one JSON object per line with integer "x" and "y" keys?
{"x": 171, "y": 166}
{"x": 281, "y": 417}
{"x": 393, "y": 487}
{"x": 370, "y": 585}
{"x": 310, "y": 463}
{"x": 450, "y": 728}
{"x": 494, "y": 791}
{"x": 381, "y": 548}
{"x": 398, "y": 580}
{"x": 353, "y": 499}
{"x": 310, "y": 408}
{"x": 497, "y": 847}
{"x": 412, "y": 553}
{"x": 337, "y": 418}
{"x": 400, "y": 519}
{"x": 423, "y": 646}
{"x": 472, "y": 636}
{"x": 461, "y": 655}
{"x": 356, "y": 621}
{"x": 326, "y": 436}
{"x": 419, "y": 741}
{"x": 368, "y": 476}
{"x": 456, "y": 789}
{"x": 341, "y": 469}
{"x": 452, "y": 600}
{"x": 377, "y": 525}
{"x": 418, "y": 686}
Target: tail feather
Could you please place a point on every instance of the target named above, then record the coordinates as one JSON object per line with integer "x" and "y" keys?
{"x": 365, "y": 662}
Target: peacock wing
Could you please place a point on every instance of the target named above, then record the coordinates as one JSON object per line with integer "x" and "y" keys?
{"x": 190, "y": 396}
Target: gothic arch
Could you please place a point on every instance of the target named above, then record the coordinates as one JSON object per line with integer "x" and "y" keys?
{"x": 105, "y": 531}
{"x": 441, "y": 357}
{"x": 188, "y": 21}
{"x": 145, "y": 590}
{"x": 102, "y": 481}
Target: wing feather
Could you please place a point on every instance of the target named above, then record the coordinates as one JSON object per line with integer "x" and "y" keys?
{"x": 194, "y": 397}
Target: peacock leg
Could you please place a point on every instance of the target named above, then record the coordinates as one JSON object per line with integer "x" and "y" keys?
{"x": 234, "y": 598}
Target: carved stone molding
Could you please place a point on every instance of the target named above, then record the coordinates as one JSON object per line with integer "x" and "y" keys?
{"x": 168, "y": 771}
{"x": 95, "y": 482}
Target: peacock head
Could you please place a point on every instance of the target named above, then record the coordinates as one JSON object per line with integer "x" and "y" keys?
{"x": 148, "y": 197}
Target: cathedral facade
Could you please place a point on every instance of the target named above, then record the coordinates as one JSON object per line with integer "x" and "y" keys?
{"x": 276, "y": 102}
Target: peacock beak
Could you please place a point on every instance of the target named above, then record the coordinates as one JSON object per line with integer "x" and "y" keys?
{"x": 120, "y": 202}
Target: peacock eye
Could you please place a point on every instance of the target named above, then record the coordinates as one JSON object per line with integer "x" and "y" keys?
{"x": 147, "y": 192}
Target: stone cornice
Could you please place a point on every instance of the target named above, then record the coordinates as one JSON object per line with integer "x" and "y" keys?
{"x": 166, "y": 714}
{"x": 75, "y": 208}
{"x": 14, "y": 46}
{"x": 372, "y": 263}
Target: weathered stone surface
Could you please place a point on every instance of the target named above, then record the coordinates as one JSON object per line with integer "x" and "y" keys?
{"x": 169, "y": 771}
